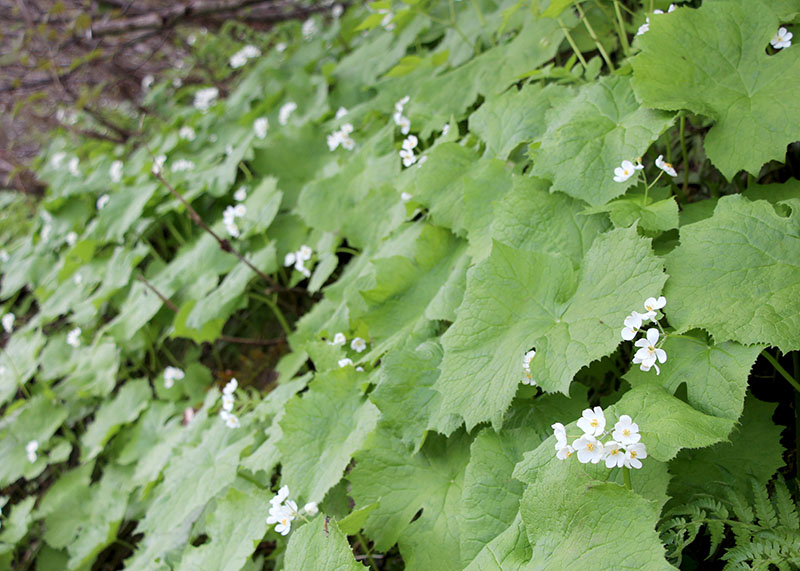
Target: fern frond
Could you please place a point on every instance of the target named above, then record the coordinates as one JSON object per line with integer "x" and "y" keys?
{"x": 765, "y": 512}
{"x": 785, "y": 506}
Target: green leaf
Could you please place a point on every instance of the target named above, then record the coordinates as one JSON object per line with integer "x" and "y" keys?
{"x": 516, "y": 300}
{"x": 235, "y": 528}
{"x": 713, "y": 61}
{"x": 123, "y": 210}
{"x": 509, "y": 550}
{"x": 590, "y": 134}
{"x": 657, "y": 216}
{"x": 18, "y": 361}
{"x": 742, "y": 264}
{"x": 320, "y": 544}
{"x": 715, "y": 375}
{"x": 322, "y": 430}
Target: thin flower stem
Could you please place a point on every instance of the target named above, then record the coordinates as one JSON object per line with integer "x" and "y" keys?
{"x": 572, "y": 43}
{"x": 275, "y": 311}
{"x": 623, "y": 36}
{"x": 243, "y": 167}
{"x": 626, "y": 472}
{"x": 367, "y": 551}
{"x": 174, "y": 231}
{"x": 685, "y": 155}
{"x": 483, "y": 21}
{"x": 783, "y": 372}
{"x": 597, "y": 43}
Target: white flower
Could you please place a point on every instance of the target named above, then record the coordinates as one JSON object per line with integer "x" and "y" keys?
{"x": 338, "y": 340}
{"x": 46, "y": 232}
{"x": 231, "y": 420}
{"x": 341, "y": 112}
{"x": 405, "y": 196}
{"x": 589, "y": 449}
{"x": 632, "y": 325}
{"x": 445, "y": 129}
{"x": 282, "y": 516}
{"x": 74, "y": 337}
{"x": 342, "y": 137}
{"x": 410, "y": 142}
{"x": 334, "y": 140}
{"x": 240, "y": 210}
{"x": 408, "y": 157}
{"x": 613, "y": 454}
{"x": 633, "y": 453}
{"x": 251, "y": 51}
{"x": 232, "y": 385}
{"x": 71, "y": 238}
{"x": 187, "y": 133}
{"x": 405, "y": 125}
{"x": 8, "y": 322}
{"x": 311, "y": 508}
{"x": 232, "y": 229}
{"x": 387, "y": 21}
{"x": 260, "y": 126}
{"x": 237, "y": 60}
{"x": 402, "y": 103}
{"x": 289, "y": 259}
{"x": 348, "y": 143}
{"x": 240, "y": 194}
{"x": 77, "y": 278}
{"x": 228, "y": 150}
{"x": 177, "y": 82}
{"x": 358, "y": 344}
{"x": 652, "y": 305}
{"x": 526, "y": 367}
{"x": 30, "y": 450}
{"x": 147, "y": 82}
{"x": 360, "y": 369}
{"x": 304, "y": 253}
{"x": 565, "y": 452}
{"x": 592, "y": 422}
{"x": 345, "y": 362}
{"x": 624, "y": 172}
{"x": 227, "y": 402}
{"x": 172, "y": 374}
{"x": 4, "y": 257}
{"x": 309, "y": 29}
{"x": 285, "y": 111}
{"x": 626, "y": 431}
{"x": 783, "y": 39}
{"x": 73, "y": 166}
{"x": 561, "y": 435}
{"x": 102, "y": 201}
{"x": 648, "y": 353}
{"x": 280, "y": 497}
{"x": 158, "y": 164}
{"x": 664, "y": 166}
{"x": 280, "y": 47}
{"x": 115, "y": 171}
{"x": 337, "y": 11}
{"x": 182, "y": 165}
{"x": 205, "y": 98}
{"x": 57, "y": 159}
{"x": 191, "y": 39}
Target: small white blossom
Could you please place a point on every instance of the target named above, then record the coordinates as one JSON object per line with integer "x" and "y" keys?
{"x": 338, "y": 340}
{"x": 228, "y": 150}
{"x": 652, "y": 305}
{"x": 231, "y": 387}
{"x": 172, "y": 374}
{"x": 282, "y": 516}
{"x": 285, "y": 112}
{"x": 400, "y": 105}
{"x": 289, "y": 259}
{"x": 405, "y": 125}
{"x": 592, "y": 421}
{"x": 665, "y": 166}
{"x": 281, "y": 496}
{"x": 191, "y": 39}
{"x": 227, "y": 402}
{"x": 187, "y": 133}
{"x": 74, "y": 337}
{"x": 358, "y": 344}
{"x": 341, "y": 112}
{"x": 177, "y": 82}
{"x": 565, "y": 452}
{"x": 57, "y": 159}
{"x": 526, "y": 367}
{"x": 71, "y": 238}
{"x": 387, "y": 22}
{"x": 45, "y": 233}
{"x": 251, "y": 51}
{"x": 648, "y": 353}
{"x": 405, "y": 196}
{"x": 158, "y": 164}
{"x": 30, "y": 450}
{"x": 260, "y": 126}
{"x": 280, "y": 47}
{"x": 633, "y": 453}
{"x": 147, "y": 82}
{"x": 589, "y": 449}
{"x": 633, "y": 323}
{"x": 205, "y": 98}
{"x": 8, "y": 322}
{"x": 102, "y": 201}
{"x": 408, "y": 157}
{"x": 237, "y": 60}
{"x": 337, "y": 11}
{"x": 626, "y": 431}
{"x": 304, "y": 253}
{"x": 445, "y": 129}
{"x": 410, "y": 142}
{"x": 77, "y": 279}
{"x": 560, "y": 432}
{"x": 308, "y": 29}
{"x": 613, "y": 454}
{"x": 240, "y": 195}
{"x": 345, "y": 362}
{"x": 73, "y": 166}
{"x": 182, "y": 165}
{"x": 624, "y": 172}
{"x": 231, "y": 420}
{"x": 342, "y": 138}
{"x": 311, "y": 508}
{"x": 783, "y": 39}
{"x": 115, "y": 171}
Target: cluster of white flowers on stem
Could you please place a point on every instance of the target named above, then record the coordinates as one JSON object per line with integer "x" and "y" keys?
{"x": 158, "y": 164}
{"x": 74, "y": 338}
{"x": 407, "y": 152}
{"x": 286, "y": 111}
{"x": 226, "y": 414}
{"x": 644, "y": 28}
{"x": 650, "y": 349}
{"x": 358, "y": 345}
{"x": 399, "y": 119}
{"x": 205, "y": 98}
{"x": 527, "y": 378}
{"x": 187, "y": 133}
{"x": 627, "y": 169}
{"x": 172, "y": 374}
{"x": 8, "y": 322}
{"x": 229, "y": 216}
{"x": 30, "y": 450}
{"x": 782, "y": 39}
{"x": 298, "y": 259}
{"x": 623, "y": 450}
{"x": 283, "y": 511}
{"x": 342, "y": 138}
{"x": 260, "y": 127}
{"x": 241, "y": 57}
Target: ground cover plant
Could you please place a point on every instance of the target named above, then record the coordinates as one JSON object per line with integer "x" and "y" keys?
{"x": 427, "y": 285}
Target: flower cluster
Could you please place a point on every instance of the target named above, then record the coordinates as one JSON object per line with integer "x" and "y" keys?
{"x": 628, "y": 169}
{"x": 8, "y": 322}
{"x": 644, "y": 28}
{"x": 649, "y": 347}
{"x": 527, "y": 379}
{"x": 74, "y": 338}
{"x": 283, "y": 511}
{"x": 205, "y": 98}
{"x": 240, "y": 195}
{"x": 399, "y": 119}
{"x": 172, "y": 374}
{"x": 308, "y": 29}
{"x": 115, "y": 171}
{"x": 241, "y": 57}
{"x": 342, "y": 138}
{"x": 186, "y": 133}
{"x": 226, "y": 414}
{"x": 407, "y": 152}
{"x": 30, "y": 450}
{"x": 182, "y": 165}
{"x": 285, "y": 112}
{"x": 229, "y": 216}
{"x": 623, "y": 450}
{"x": 299, "y": 259}
{"x": 357, "y": 344}
{"x": 783, "y": 39}
{"x": 260, "y": 127}
{"x": 341, "y": 112}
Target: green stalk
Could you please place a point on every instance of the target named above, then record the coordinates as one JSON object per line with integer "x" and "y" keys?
{"x": 626, "y": 47}
{"x": 275, "y": 311}
{"x": 783, "y": 372}
{"x": 367, "y": 551}
{"x": 572, "y": 43}
{"x": 597, "y": 43}
{"x": 685, "y": 155}
{"x": 626, "y": 472}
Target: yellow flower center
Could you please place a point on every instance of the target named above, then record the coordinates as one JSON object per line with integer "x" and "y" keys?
{"x": 633, "y": 453}
{"x": 594, "y": 422}
{"x": 626, "y": 432}
{"x": 614, "y": 451}
{"x": 590, "y": 447}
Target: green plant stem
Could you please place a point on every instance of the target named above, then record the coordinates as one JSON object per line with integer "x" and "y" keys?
{"x": 275, "y": 311}
{"x": 685, "y": 156}
{"x": 243, "y": 167}
{"x": 572, "y": 43}
{"x": 783, "y": 372}
{"x": 174, "y": 231}
{"x": 623, "y": 36}
{"x": 597, "y": 43}
{"x": 367, "y": 551}
{"x": 626, "y": 473}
